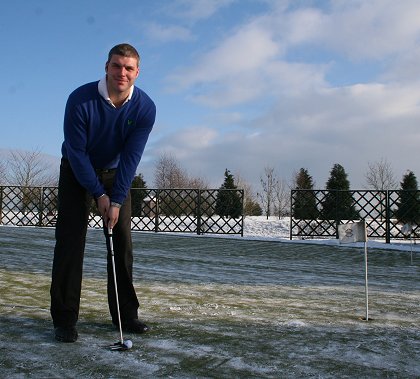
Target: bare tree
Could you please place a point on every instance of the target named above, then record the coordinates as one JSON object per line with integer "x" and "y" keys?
{"x": 29, "y": 169}
{"x": 170, "y": 174}
{"x": 241, "y": 183}
{"x": 281, "y": 198}
{"x": 3, "y": 174}
{"x": 198, "y": 183}
{"x": 268, "y": 184}
{"x": 250, "y": 198}
{"x": 380, "y": 176}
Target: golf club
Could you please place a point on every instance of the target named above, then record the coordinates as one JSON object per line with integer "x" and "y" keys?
{"x": 121, "y": 345}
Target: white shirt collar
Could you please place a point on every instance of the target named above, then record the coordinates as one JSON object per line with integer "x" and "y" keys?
{"x": 103, "y": 91}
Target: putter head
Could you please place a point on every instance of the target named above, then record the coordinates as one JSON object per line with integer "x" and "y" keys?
{"x": 118, "y": 346}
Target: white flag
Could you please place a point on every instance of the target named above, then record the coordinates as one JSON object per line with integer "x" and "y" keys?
{"x": 355, "y": 232}
{"x": 407, "y": 229}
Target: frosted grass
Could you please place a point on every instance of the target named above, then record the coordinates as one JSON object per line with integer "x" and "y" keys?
{"x": 219, "y": 308}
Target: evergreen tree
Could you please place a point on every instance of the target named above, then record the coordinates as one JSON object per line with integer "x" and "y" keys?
{"x": 138, "y": 195}
{"x": 304, "y": 205}
{"x": 408, "y": 210}
{"x": 252, "y": 208}
{"x": 338, "y": 202}
{"x": 228, "y": 201}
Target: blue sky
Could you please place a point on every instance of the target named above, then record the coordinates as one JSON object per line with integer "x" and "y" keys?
{"x": 238, "y": 84}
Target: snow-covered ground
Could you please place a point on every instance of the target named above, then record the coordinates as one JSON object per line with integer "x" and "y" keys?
{"x": 272, "y": 229}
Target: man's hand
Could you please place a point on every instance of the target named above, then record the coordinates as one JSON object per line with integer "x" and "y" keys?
{"x": 109, "y": 213}
{"x": 112, "y": 216}
{"x": 103, "y": 204}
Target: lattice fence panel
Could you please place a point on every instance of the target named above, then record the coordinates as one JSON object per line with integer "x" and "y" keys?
{"x": 211, "y": 222}
{"x": 157, "y": 210}
{"x": 377, "y": 208}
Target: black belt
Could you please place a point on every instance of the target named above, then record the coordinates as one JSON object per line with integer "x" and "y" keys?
{"x": 65, "y": 162}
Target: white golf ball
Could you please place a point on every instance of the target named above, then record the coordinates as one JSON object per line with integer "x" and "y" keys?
{"x": 128, "y": 344}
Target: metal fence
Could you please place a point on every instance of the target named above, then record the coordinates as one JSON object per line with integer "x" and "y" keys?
{"x": 157, "y": 210}
{"x": 381, "y": 211}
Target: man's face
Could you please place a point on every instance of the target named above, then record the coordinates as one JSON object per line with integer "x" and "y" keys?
{"x": 122, "y": 73}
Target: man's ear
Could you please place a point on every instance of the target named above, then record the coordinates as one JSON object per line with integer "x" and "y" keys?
{"x": 106, "y": 67}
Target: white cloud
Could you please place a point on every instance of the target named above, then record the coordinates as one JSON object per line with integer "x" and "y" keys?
{"x": 299, "y": 26}
{"x": 185, "y": 142}
{"x": 313, "y": 123}
{"x": 196, "y": 10}
{"x": 248, "y": 50}
{"x": 168, "y": 33}
{"x": 366, "y": 29}
{"x": 352, "y": 126}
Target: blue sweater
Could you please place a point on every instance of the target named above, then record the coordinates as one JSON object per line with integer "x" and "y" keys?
{"x": 99, "y": 136}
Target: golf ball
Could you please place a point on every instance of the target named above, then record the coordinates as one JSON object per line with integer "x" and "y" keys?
{"x": 128, "y": 344}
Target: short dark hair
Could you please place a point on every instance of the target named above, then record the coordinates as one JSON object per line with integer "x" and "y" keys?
{"x": 125, "y": 50}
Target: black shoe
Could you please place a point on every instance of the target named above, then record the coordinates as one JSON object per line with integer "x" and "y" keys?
{"x": 134, "y": 326}
{"x": 65, "y": 333}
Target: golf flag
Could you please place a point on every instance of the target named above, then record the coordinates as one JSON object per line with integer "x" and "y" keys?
{"x": 354, "y": 232}
{"x": 407, "y": 229}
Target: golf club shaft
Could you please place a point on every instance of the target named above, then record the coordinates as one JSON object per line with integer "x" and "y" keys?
{"x": 111, "y": 245}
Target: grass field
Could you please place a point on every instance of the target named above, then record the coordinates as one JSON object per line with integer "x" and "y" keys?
{"x": 219, "y": 308}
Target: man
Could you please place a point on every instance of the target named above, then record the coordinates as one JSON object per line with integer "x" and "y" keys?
{"x": 106, "y": 127}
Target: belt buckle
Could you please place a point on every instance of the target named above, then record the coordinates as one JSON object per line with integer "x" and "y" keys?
{"x": 101, "y": 171}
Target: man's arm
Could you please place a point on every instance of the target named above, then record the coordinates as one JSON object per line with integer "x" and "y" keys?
{"x": 75, "y": 141}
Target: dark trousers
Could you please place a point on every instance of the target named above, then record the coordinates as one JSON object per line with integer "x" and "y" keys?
{"x": 73, "y": 211}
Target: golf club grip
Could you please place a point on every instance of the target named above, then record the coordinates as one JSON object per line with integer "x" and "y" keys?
{"x": 111, "y": 245}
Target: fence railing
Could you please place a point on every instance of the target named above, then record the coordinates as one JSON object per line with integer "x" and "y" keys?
{"x": 314, "y": 213}
{"x": 208, "y": 211}
{"x": 317, "y": 213}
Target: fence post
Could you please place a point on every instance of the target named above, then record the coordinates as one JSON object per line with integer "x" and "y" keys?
{"x": 387, "y": 218}
{"x": 1, "y": 203}
{"x": 157, "y": 211}
{"x": 198, "y": 211}
{"x": 337, "y": 202}
{"x": 242, "y": 215}
{"x": 41, "y": 206}
{"x": 291, "y": 216}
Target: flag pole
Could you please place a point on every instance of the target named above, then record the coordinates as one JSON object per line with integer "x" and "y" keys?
{"x": 411, "y": 247}
{"x": 357, "y": 232}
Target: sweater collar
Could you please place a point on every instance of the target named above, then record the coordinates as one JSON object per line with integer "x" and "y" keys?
{"x": 103, "y": 91}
